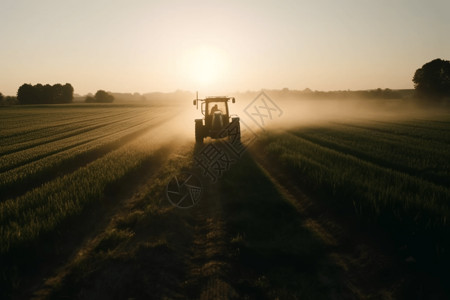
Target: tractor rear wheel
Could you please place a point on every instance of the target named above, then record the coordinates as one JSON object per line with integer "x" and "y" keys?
{"x": 236, "y": 130}
{"x": 198, "y": 132}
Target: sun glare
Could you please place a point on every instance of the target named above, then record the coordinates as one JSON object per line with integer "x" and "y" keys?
{"x": 207, "y": 65}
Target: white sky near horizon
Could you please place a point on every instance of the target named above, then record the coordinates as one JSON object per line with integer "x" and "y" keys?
{"x": 219, "y": 46}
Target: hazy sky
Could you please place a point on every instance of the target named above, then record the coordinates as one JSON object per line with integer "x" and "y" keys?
{"x": 217, "y": 46}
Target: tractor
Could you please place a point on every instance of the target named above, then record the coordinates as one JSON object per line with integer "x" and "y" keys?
{"x": 217, "y": 123}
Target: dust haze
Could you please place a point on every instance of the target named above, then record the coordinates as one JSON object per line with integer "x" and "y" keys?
{"x": 297, "y": 111}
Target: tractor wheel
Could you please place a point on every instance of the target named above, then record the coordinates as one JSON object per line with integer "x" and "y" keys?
{"x": 236, "y": 129}
{"x": 198, "y": 132}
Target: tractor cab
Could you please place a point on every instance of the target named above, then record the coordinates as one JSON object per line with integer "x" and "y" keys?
{"x": 216, "y": 112}
{"x": 217, "y": 117}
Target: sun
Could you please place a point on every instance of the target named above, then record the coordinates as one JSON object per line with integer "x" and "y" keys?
{"x": 208, "y": 65}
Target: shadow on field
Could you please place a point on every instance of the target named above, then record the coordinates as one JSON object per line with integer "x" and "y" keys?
{"x": 242, "y": 240}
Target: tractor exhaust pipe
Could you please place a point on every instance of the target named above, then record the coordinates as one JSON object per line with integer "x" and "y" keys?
{"x": 196, "y": 99}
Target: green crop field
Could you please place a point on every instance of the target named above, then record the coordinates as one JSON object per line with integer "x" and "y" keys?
{"x": 55, "y": 161}
{"x": 40, "y": 143}
{"x": 393, "y": 174}
{"x": 323, "y": 210}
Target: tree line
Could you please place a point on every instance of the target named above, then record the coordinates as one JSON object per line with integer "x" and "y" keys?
{"x": 45, "y": 94}
{"x": 51, "y": 94}
{"x": 431, "y": 81}
{"x": 346, "y": 94}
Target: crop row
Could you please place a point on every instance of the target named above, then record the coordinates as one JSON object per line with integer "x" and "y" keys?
{"x": 411, "y": 208}
{"x": 34, "y": 139}
{"x": 79, "y": 137}
{"x": 415, "y": 130}
{"x": 39, "y": 126}
{"x": 422, "y": 158}
{"x": 441, "y": 124}
{"x": 33, "y": 222}
{"x": 22, "y": 178}
{"x": 37, "y": 119}
{"x": 69, "y": 132}
{"x": 27, "y": 217}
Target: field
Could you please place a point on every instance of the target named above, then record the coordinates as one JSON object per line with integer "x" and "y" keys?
{"x": 350, "y": 208}
{"x": 391, "y": 174}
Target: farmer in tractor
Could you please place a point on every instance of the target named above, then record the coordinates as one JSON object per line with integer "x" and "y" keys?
{"x": 214, "y": 109}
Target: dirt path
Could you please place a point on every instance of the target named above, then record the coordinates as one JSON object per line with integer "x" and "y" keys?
{"x": 208, "y": 276}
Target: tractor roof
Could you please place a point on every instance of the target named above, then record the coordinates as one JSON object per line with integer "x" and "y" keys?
{"x": 220, "y": 98}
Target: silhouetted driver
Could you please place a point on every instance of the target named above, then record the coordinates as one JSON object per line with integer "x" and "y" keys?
{"x": 214, "y": 109}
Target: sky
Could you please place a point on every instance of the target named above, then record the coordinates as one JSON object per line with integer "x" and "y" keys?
{"x": 219, "y": 46}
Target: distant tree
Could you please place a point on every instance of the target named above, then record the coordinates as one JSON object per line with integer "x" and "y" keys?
{"x": 103, "y": 97}
{"x": 26, "y": 94}
{"x": 57, "y": 93}
{"x": 1, "y": 98}
{"x": 45, "y": 94}
{"x": 433, "y": 79}
{"x": 67, "y": 93}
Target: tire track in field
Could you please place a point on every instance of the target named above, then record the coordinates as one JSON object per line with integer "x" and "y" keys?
{"x": 208, "y": 275}
{"x": 366, "y": 268}
{"x": 17, "y": 188}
